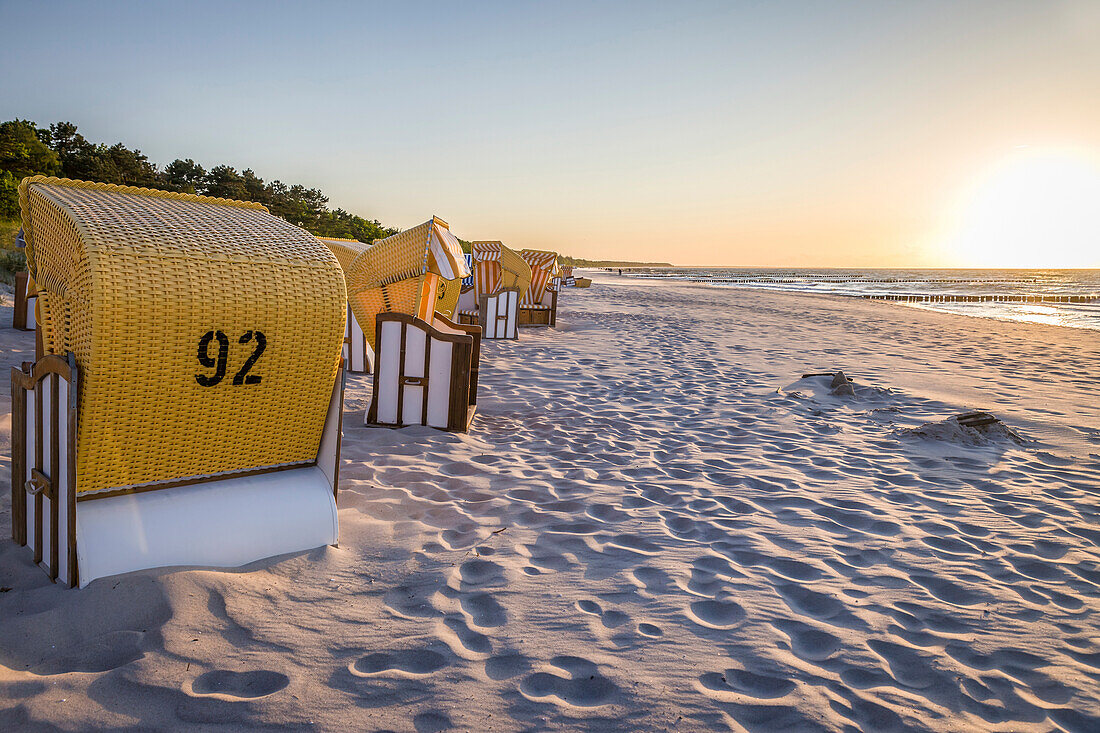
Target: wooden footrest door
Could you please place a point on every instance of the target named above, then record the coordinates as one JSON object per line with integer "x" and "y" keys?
{"x": 422, "y": 375}
{"x": 43, "y": 469}
{"x": 499, "y": 314}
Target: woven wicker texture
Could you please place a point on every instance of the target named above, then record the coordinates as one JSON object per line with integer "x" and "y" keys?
{"x": 496, "y": 267}
{"x": 134, "y": 280}
{"x": 402, "y": 274}
{"x": 447, "y": 300}
{"x": 544, "y": 267}
{"x": 346, "y": 250}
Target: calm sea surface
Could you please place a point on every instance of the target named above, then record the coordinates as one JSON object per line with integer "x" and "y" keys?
{"x": 1058, "y": 297}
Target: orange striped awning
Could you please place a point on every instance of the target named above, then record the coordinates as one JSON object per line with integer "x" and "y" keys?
{"x": 544, "y": 267}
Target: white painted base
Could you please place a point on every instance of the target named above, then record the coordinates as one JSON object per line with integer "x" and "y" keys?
{"x": 223, "y": 523}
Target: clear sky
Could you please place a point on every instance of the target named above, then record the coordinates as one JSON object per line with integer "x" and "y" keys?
{"x": 754, "y": 133}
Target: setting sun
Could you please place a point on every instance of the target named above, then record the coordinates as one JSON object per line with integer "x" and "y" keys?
{"x": 1038, "y": 208}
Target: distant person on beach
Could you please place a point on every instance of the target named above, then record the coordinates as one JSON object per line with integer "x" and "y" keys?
{"x": 620, "y": 271}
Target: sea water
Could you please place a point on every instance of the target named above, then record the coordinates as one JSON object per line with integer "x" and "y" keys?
{"x": 1057, "y": 297}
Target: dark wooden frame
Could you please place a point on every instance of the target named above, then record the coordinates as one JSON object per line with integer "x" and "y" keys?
{"x": 22, "y": 295}
{"x": 31, "y": 377}
{"x": 41, "y": 484}
{"x": 463, "y": 393}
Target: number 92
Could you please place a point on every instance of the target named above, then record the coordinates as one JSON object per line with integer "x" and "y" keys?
{"x": 220, "y": 362}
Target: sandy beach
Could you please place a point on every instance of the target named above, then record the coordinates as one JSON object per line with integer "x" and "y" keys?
{"x": 654, "y": 524}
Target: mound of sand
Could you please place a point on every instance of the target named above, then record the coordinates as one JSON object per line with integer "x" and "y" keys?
{"x": 952, "y": 431}
{"x": 836, "y": 388}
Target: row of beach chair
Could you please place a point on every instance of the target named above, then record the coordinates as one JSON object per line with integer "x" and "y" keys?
{"x": 186, "y": 403}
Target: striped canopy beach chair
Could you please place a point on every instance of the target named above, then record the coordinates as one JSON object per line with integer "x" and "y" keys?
{"x": 539, "y": 307}
{"x": 501, "y": 277}
{"x": 358, "y": 346}
{"x": 187, "y": 409}
{"x": 425, "y": 364}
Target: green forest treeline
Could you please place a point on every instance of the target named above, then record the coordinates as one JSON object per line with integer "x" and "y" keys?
{"x": 59, "y": 150}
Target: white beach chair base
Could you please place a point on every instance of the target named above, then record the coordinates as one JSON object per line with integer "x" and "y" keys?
{"x": 224, "y": 521}
{"x": 426, "y": 373}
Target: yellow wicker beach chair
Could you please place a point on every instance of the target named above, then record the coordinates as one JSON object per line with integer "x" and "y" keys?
{"x": 501, "y": 278}
{"x": 26, "y": 296}
{"x": 358, "y": 346}
{"x": 426, "y": 366}
{"x": 358, "y": 352}
{"x": 187, "y": 409}
{"x": 539, "y": 306}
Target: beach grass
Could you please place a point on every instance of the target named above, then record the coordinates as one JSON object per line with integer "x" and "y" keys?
{"x": 12, "y": 260}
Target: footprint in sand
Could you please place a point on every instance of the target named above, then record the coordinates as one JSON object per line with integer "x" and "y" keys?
{"x": 481, "y": 573}
{"x": 716, "y": 614}
{"x": 460, "y": 539}
{"x": 245, "y": 685}
{"x": 610, "y": 619}
{"x": 98, "y": 654}
{"x": 468, "y": 639}
{"x": 737, "y": 683}
{"x": 583, "y": 687}
{"x": 817, "y": 605}
{"x": 710, "y": 574}
{"x": 1018, "y": 665}
{"x": 505, "y": 666}
{"x": 413, "y": 601}
{"x": 483, "y": 610}
{"x": 431, "y": 722}
{"x": 654, "y": 580}
{"x": 634, "y": 543}
{"x": 414, "y": 662}
{"x": 807, "y": 642}
{"x": 606, "y": 513}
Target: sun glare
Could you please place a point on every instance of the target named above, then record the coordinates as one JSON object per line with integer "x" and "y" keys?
{"x": 1037, "y": 209}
